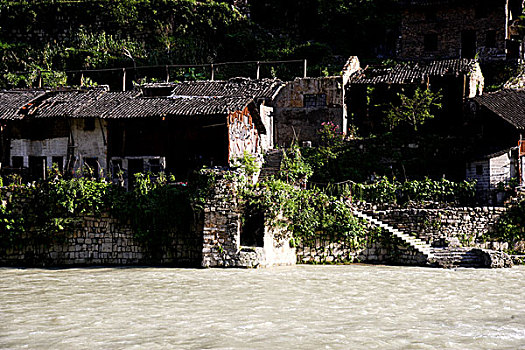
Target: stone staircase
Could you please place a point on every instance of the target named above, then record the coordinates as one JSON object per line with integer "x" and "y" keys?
{"x": 272, "y": 164}
{"x": 415, "y": 243}
{"x": 449, "y": 257}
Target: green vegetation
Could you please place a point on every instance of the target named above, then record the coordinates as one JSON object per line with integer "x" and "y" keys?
{"x": 414, "y": 110}
{"x": 511, "y": 226}
{"x": 47, "y": 211}
{"x": 124, "y": 33}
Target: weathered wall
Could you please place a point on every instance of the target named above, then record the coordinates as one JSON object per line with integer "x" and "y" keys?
{"x": 449, "y": 22}
{"x": 243, "y": 135}
{"x": 267, "y": 139}
{"x": 87, "y": 143}
{"x": 222, "y": 235}
{"x": 489, "y": 172}
{"x": 102, "y": 240}
{"x": 296, "y": 118}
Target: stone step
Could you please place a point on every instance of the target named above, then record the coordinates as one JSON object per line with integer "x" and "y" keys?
{"x": 414, "y": 242}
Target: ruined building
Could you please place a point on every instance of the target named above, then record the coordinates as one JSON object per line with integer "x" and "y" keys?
{"x": 370, "y": 90}
{"x": 443, "y": 29}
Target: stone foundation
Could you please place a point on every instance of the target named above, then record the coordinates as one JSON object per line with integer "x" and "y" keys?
{"x": 102, "y": 240}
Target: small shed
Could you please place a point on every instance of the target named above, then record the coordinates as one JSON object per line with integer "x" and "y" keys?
{"x": 492, "y": 173}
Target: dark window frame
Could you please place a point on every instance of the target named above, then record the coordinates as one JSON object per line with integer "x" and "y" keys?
{"x": 314, "y": 100}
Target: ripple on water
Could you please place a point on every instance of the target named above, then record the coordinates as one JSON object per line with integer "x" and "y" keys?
{"x": 303, "y": 307}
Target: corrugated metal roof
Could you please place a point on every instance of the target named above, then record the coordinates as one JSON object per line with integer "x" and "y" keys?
{"x": 508, "y": 104}
{"x": 241, "y": 87}
{"x": 413, "y": 72}
{"x": 11, "y": 102}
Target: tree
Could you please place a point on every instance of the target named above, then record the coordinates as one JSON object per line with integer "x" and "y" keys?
{"x": 414, "y": 110}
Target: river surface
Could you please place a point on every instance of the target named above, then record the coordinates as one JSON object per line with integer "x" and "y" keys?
{"x": 302, "y": 307}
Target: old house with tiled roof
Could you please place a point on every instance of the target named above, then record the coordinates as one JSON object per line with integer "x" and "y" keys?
{"x": 371, "y": 89}
{"x": 445, "y": 29}
{"x": 111, "y": 131}
{"x": 497, "y": 125}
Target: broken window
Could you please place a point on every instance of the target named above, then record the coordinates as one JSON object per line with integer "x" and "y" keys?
{"x": 490, "y": 38}
{"x": 430, "y": 42}
{"x": 17, "y": 162}
{"x": 155, "y": 166}
{"x": 314, "y": 100}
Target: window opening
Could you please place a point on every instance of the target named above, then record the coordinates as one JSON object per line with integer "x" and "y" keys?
{"x": 430, "y": 42}
{"x": 17, "y": 162}
{"x": 89, "y": 124}
{"x": 314, "y": 100}
{"x": 490, "y": 38}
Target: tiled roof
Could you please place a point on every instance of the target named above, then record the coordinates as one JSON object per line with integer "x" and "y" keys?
{"x": 110, "y": 105}
{"x": 178, "y": 106}
{"x": 242, "y": 87}
{"x": 11, "y": 102}
{"x": 81, "y": 104}
{"x": 508, "y": 104}
{"x": 413, "y": 72}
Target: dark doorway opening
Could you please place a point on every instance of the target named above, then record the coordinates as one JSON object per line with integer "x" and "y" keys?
{"x": 37, "y": 167}
{"x": 252, "y": 231}
{"x": 468, "y": 44}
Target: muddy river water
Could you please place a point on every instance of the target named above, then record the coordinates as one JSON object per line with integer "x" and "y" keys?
{"x": 302, "y": 307}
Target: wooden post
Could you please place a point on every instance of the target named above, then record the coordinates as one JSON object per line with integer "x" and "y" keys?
{"x": 123, "y": 79}
{"x": 167, "y": 74}
{"x": 81, "y": 79}
{"x": 39, "y": 75}
{"x": 258, "y": 70}
{"x": 212, "y": 72}
{"x": 304, "y": 68}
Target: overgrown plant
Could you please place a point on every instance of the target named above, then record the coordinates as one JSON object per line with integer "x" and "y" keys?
{"x": 415, "y": 110}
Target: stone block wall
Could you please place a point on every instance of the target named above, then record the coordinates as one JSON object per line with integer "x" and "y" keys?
{"x": 103, "y": 240}
{"x": 442, "y": 227}
{"x": 296, "y": 118}
{"x": 448, "y": 22}
{"x": 222, "y": 234}
{"x": 387, "y": 250}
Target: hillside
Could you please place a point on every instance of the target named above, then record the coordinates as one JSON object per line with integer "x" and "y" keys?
{"x": 54, "y": 35}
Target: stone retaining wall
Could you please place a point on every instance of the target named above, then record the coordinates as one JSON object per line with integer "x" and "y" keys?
{"x": 102, "y": 240}
{"x": 382, "y": 250}
{"x": 442, "y": 227}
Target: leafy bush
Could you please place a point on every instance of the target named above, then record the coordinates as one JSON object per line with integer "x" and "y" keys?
{"x": 443, "y": 191}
